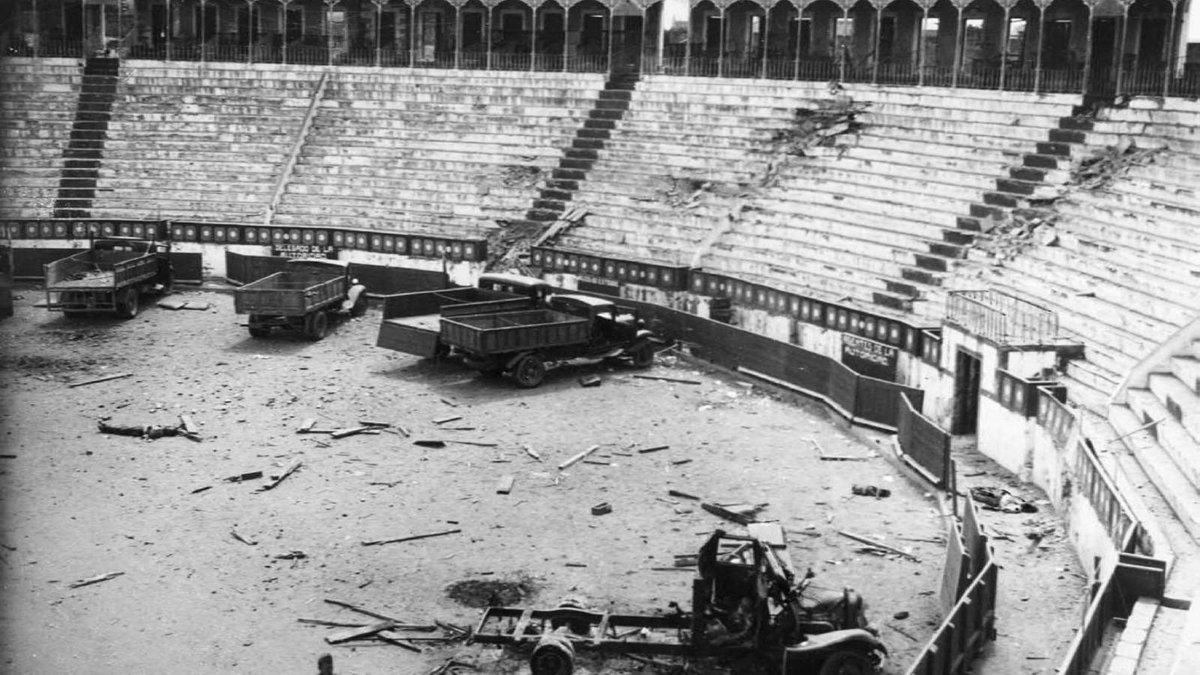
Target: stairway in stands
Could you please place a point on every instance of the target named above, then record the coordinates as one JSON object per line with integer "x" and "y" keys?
{"x": 610, "y": 107}
{"x": 1016, "y": 196}
{"x": 85, "y": 150}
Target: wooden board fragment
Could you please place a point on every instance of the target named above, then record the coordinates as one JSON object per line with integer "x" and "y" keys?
{"x": 307, "y": 425}
{"x": 655, "y": 448}
{"x": 577, "y": 457}
{"x": 726, "y": 513}
{"x": 505, "y": 484}
{"x": 675, "y": 380}
{"x": 414, "y": 537}
{"x": 98, "y": 380}
{"x": 188, "y": 425}
{"x": 354, "y": 633}
{"x": 96, "y": 579}
{"x": 448, "y": 418}
{"x": 287, "y": 471}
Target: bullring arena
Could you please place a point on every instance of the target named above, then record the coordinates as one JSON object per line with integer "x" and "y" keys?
{"x": 920, "y": 280}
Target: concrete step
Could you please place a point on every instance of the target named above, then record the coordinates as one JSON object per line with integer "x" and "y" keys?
{"x": 1187, "y": 369}
{"x": 1181, "y": 402}
{"x": 1158, "y": 465}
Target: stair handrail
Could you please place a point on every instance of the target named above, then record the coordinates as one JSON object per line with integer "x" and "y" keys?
{"x": 293, "y": 155}
{"x": 1139, "y": 375}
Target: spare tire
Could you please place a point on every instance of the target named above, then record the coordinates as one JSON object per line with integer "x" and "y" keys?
{"x": 553, "y": 655}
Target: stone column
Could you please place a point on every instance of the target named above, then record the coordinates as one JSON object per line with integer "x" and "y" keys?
{"x": 1037, "y": 70}
{"x": 687, "y": 47}
{"x": 845, "y": 4}
{"x": 203, "y": 14}
{"x": 329, "y": 5}
{"x": 800, "y": 5}
{"x": 378, "y": 31}
{"x": 879, "y": 6}
{"x": 457, "y": 33}
{"x": 610, "y": 39}
{"x": 721, "y": 43}
{"x": 925, "y": 5}
{"x": 1121, "y": 47}
{"x": 534, "y": 6}
{"x": 1169, "y": 70}
{"x": 250, "y": 30}
{"x": 767, "y": 6}
{"x": 412, "y": 33}
{"x": 283, "y": 36}
{"x": 959, "y": 39}
{"x": 1087, "y": 49}
{"x": 170, "y": 27}
{"x": 1004, "y": 35}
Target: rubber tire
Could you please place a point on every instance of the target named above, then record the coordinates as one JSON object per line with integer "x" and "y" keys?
{"x": 260, "y": 331}
{"x": 553, "y": 655}
{"x": 847, "y": 663}
{"x": 643, "y": 355}
{"x": 316, "y": 326}
{"x": 129, "y": 304}
{"x": 529, "y": 371}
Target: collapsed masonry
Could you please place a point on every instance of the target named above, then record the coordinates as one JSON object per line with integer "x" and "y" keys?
{"x": 1010, "y": 236}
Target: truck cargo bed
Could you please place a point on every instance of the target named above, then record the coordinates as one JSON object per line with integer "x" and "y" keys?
{"x": 509, "y": 332}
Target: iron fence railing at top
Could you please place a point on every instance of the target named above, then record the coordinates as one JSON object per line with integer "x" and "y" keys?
{"x": 1001, "y": 317}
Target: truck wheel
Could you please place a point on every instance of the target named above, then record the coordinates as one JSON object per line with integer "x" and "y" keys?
{"x": 316, "y": 326}
{"x": 643, "y": 355}
{"x": 553, "y": 655}
{"x": 529, "y": 371}
{"x": 127, "y": 306}
{"x": 259, "y": 331}
{"x": 847, "y": 663}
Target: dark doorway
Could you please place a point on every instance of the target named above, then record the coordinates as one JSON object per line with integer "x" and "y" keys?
{"x": 158, "y": 25}
{"x": 1102, "y": 76}
{"x": 1056, "y": 52}
{"x": 552, "y": 32}
{"x": 966, "y": 394}
{"x": 387, "y": 30}
{"x": 627, "y": 44}
{"x": 1152, "y": 43}
{"x": 592, "y": 36}
{"x": 472, "y": 29}
{"x": 887, "y": 39}
{"x": 712, "y": 36}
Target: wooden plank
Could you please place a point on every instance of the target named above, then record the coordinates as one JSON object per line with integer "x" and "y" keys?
{"x": 505, "y": 484}
{"x": 398, "y": 640}
{"x": 726, "y": 513}
{"x": 447, "y": 418}
{"x": 354, "y": 633}
{"x": 578, "y": 457}
{"x": 287, "y": 471}
{"x": 675, "y": 380}
{"x": 360, "y": 610}
{"x": 188, "y": 425}
{"x": 349, "y": 431}
{"x": 684, "y": 495}
{"x": 531, "y": 452}
{"x": 98, "y": 380}
{"x": 526, "y": 615}
{"x": 878, "y": 544}
{"x": 655, "y": 448}
{"x": 414, "y": 537}
{"x": 96, "y": 579}
{"x": 770, "y": 534}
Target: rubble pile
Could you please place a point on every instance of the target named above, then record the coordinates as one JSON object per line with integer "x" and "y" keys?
{"x": 819, "y": 127}
{"x": 1100, "y": 170}
{"x": 1006, "y": 239}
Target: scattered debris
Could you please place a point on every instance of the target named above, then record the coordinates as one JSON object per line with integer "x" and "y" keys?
{"x": 999, "y": 499}
{"x": 531, "y": 452}
{"x": 350, "y": 431}
{"x": 879, "y": 545}
{"x": 482, "y": 593}
{"x": 95, "y": 580}
{"x": 684, "y": 495}
{"x": 307, "y": 425}
{"x": 819, "y": 127}
{"x": 870, "y": 491}
{"x": 414, "y": 537}
{"x": 834, "y": 458}
{"x": 173, "y": 305}
{"x": 567, "y": 464}
{"x": 770, "y": 534}
{"x": 678, "y": 462}
{"x": 1101, "y": 169}
{"x": 740, "y": 518}
{"x": 188, "y": 425}
{"x": 292, "y": 555}
{"x": 149, "y": 431}
{"x": 360, "y": 610}
{"x": 590, "y": 381}
{"x": 287, "y": 471}
{"x": 242, "y": 539}
{"x": 250, "y": 475}
{"x": 430, "y": 444}
{"x": 601, "y": 509}
{"x": 448, "y": 418}
{"x": 655, "y": 448}
{"x": 98, "y": 380}
{"x": 362, "y": 631}
{"x": 660, "y": 378}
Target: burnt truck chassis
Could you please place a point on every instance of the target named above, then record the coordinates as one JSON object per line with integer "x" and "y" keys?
{"x": 748, "y": 612}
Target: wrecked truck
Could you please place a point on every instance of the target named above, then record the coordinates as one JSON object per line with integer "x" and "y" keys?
{"x": 747, "y": 607}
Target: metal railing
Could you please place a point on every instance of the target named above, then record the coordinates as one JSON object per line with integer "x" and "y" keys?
{"x": 1002, "y": 318}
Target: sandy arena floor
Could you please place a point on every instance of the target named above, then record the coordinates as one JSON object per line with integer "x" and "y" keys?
{"x": 193, "y": 598}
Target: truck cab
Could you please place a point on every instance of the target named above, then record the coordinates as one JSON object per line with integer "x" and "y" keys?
{"x": 610, "y": 323}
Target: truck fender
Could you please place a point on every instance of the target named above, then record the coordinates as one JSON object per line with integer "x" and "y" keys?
{"x": 644, "y": 334}
{"x": 512, "y": 360}
{"x": 816, "y": 647}
{"x": 352, "y": 296}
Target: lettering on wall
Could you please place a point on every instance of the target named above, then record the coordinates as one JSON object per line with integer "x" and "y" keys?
{"x": 304, "y": 251}
{"x": 870, "y": 358}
